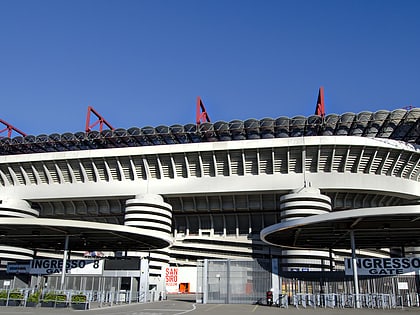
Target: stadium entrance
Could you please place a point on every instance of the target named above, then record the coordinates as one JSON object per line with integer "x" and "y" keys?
{"x": 123, "y": 279}
{"x": 233, "y": 281}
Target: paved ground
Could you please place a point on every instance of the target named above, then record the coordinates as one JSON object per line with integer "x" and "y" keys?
{"x": 174, "y": 306}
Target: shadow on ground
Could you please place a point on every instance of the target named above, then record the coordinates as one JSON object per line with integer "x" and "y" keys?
{"x": 181, "y": 297}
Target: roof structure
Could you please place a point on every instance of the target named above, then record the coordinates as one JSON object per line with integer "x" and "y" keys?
{"x": 400, "y": 124}
{"x": 83, "y": 235}
{"x": 388, "y": 227}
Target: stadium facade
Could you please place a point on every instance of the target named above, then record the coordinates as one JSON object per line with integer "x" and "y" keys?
{"x": 183, "y": 193}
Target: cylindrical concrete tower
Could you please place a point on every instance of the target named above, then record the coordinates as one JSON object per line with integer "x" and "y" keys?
{"x": 18, "y": 209}
{"x": 302, "y": 203}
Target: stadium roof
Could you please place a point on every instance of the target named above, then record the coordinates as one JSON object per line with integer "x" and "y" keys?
{"x": 381, "y": 227}
{"x": 84, "y": 235}
{"x": 400, "y": 124}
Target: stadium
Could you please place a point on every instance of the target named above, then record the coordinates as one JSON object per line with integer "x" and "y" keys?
{"x": 286, "y": 190}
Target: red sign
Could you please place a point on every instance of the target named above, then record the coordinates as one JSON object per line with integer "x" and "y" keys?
{"x": 171, "y": 276}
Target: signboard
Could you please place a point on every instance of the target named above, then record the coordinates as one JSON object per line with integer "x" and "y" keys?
{"x": 91, "y": 267}
{"x": 17, "y": 268}
{"x": 180, "y": 279}
{"x": 402, "y": 285}
{"x": 51, "y": 266}
{"x": 382, "y": 266}
{"x": 171, "y": 277}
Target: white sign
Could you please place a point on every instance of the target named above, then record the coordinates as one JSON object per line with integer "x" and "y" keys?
{"x": 402, "y": 285}
{"x": 92, "y": 267}
{"x": 171, "y": 277}
{"x": 382, "y": 266}
{"x": 50, "y": 266}
{"x": 181, "y": 279}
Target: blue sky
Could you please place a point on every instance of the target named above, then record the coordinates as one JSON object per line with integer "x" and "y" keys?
{"x": 144, "y": 62}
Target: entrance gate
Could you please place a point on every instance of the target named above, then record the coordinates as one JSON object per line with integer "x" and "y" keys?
{"x": 235, "y": 281}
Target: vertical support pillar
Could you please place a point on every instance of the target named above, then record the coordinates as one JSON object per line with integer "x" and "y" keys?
{"x": 63, "y": 271}
{"x": 355, "y": 275}
{"x": 331, "y": 259}
{"x": 205, "y": 275}
{"x": 275, "y": 282}
{"x": 144, "y": 280}
{"x": 227, "y": 301}
{"x": 417, "y": 279}
{"x": 130, "y": 294}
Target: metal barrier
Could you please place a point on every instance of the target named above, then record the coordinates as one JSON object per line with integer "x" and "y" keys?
{"x": 67, "y": 298}
{"x": 335, "y": 300}
{"x": 282, "y": 301}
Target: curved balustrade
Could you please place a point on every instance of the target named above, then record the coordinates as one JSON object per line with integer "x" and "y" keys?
{"x": 399, "y": 124}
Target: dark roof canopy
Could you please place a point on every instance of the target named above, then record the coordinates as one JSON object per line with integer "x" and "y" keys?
{"x": 382, "y": 227}
{"x": 41, "y": 233}
{"x": 400, "y": 124}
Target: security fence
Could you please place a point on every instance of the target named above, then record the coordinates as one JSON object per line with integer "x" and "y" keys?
{"x": 333, "y": 300}
{"x": 69, "y": 298}
{"x": 232, "y": 281}
{"x": 235, "y": 281}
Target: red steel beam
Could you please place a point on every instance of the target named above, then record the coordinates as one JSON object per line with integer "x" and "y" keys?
{"x": 320, "y": 104}
{"x": 100, "y": 120}
{"x": 201, "y": 113}
{"x": 9, "y": 128}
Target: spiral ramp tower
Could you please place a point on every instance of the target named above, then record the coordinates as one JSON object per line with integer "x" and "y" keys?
{"x": 14, "y": 208}
{"x": 151, "y": 212}
{"x": 302, "y": 203}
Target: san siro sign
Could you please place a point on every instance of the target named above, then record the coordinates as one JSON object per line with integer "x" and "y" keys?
{"x": 171, "y": 276}
{"x": 51, "y": 266}
{"x": 382, "y": 266}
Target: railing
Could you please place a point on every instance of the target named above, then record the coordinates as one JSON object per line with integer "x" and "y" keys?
{"x": 70, "y": 298}
{"x": 24, "y": 297}
{"x": 341, "y": 300}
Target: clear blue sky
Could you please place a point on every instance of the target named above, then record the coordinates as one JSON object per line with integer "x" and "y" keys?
{"x": 144, "y": 62}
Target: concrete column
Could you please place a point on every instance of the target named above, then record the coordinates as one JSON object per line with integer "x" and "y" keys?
{"x": 355, "y": 275}
{"x": 65, "y": 254}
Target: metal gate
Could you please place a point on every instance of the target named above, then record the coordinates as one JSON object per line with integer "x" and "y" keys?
{"x": 247, "y": 281}
{"x": 233, "y": 281}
